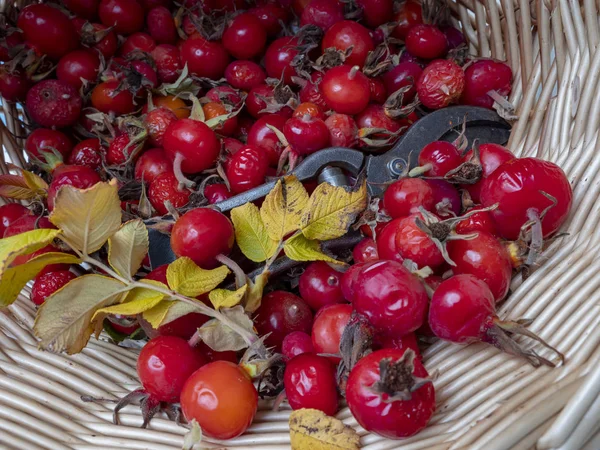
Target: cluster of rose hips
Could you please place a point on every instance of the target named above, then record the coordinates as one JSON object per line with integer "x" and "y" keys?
{"x": 187, "y": 105}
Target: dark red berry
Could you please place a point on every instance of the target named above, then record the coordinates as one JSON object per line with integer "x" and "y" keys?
{"x": 319, "y": 285}
{"x": 87, "y": 153}
{"x": 426, "y": 41}
{"x": 406, "y": 196}
{"x": 48, "y": 283}
{"x": 247, "y": 169}
{"x": 296, "y": 343}
{"x": 53, "y": 103}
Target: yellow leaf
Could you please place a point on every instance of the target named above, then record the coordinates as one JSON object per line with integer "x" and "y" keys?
{"x": 88, "y": 217}
{"x": 22, "y": 187}
{"x": 35, "y": 182}
{"x": 299, "y": 248}
{"x": 24, "y": 244}
{"x": 166, "y": 312}
{"x": 331, "y": 210}
{"x": 128, "y": 247}
{"x": 311, "y": 429}
{"x": 283, "y": 207}
{"x": 14, "y": 279}
{"x": 255, "y": 292}
{"x": 64, "y": 321}
{"x": 137, "y": 301}
{"x": 224, "y": 298}
{"x": 185, "y": 277}
{"x": 251, "y": 234}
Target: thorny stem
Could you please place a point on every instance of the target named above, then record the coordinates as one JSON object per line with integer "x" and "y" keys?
{"x": 248, "y": 337}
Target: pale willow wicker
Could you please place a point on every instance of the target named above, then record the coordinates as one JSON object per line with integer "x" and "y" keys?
{"x": 486, "y": 400}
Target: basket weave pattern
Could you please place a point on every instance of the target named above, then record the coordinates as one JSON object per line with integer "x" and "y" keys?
{"x": 486, "y": 400}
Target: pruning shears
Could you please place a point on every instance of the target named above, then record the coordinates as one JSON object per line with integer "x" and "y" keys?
{"x": 331, "y": 165}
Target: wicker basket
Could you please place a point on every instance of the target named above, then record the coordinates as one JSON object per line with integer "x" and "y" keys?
{"x": 486, "y": 400}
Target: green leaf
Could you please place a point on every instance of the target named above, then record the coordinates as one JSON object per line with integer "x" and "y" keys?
{"x": 24, "y": 244}
{"x": 220, "y": 337}
{"x": 87, "y": 217}
{"x": 224, "y": 298}
{"x": 283, "y": 207}
{"x": 186, "y": 278}
{"x": 64, "y": 321}
{"x": 251, "y": 234}
{"x": 331, "y": 210}
{"x": 128, "y": 247}
{"x": 14, "y": 279}
{"x": 299, "y": 248}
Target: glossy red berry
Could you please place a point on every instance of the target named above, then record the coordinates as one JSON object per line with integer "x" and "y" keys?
{"x": 78, "y": 67}
{"x": 281, "y": 313}
{"x": 345, "y": 89}
{"x": 165, "y": 187}
{"x": 48, "y": 283}
{"x": 482, "y": 77}
{"x": 306, "y": 135}
{"x": 479, "y": 222}
{"x": 439, "y": 157}
{"x": 309, "y": 382}
{"x": 161, "y": 25}
{"x": 373, "y": 399}
{"x": 14, "y": 85}
{"x": 446, "y": 198}
{"x": 441, "y": 83}
{"x": 202, "y": 234}
{"x": 126, "y": 16}
{"x": 10, "y": 213}
{"x": 270, "y": 16}
{"x": 409, "y": 14}
{"x": 49, "y": 141}
{"x": 245, "y": 75}
{"x": 245, "y": 37}
{"x": 403, "y": 342}
{"x": 374, "y": 117}
{"x": 164, "y": 365}
{"x": 152, "y": 163}
{"x": 454, "y": 37}
{"x": 168, "y": 62}
{"x": 216, "y": 193}
{"x": 48, "y": 30}
{"x": 365, "y": 251}
{"x": 328, "y": 327}
{"x": 414, "y": 244}
{"x": 484, "y": 257}
{"x": 204, "y": 58}
{"x": 87, "y": 153}
{"x": 343, "y": 131}
{"x": 426, "y": 41}
{"x": 53, "y": 103}
{"x": 517, "y": 187}
{"x": 247, "y": 169}
{"x": 97, "y": 36}
{"x": 296, "y": 343}
{"x": 406, "y": 196}
{"x": 461, "y": 310}
{"x": 319, "y": 285}
{"x": 376, "y": 12}
{"x": 379, "y": 93}
{"x": 279, "y": 57}
{"x": 392, "y": 298}
{"x": 346, "y": 34}
{"x": 491, "y": 156}
{"x": 322, "y": 13}
{"x": 311, "y": 91}
{"x": 262, "y": 136}
{"x": 221, "y": 398}
{"x": 107, "y": 99}
{"x": 87, "y": 9}
{"x": 137, "y": 44}
{"x": 387, "y": 246}
{"x": 80, "y": 177}
{"x": 195, "y": 143}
